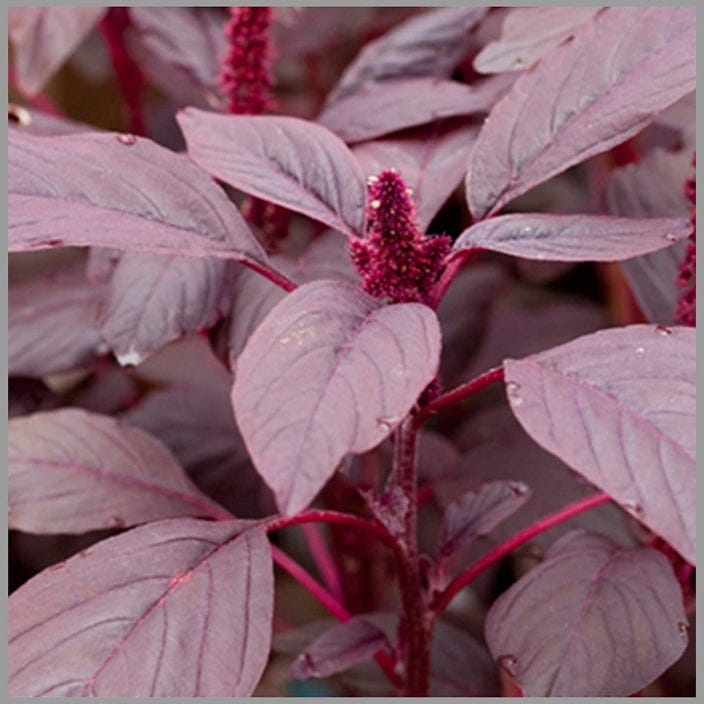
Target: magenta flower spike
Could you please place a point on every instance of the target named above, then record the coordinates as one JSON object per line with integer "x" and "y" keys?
{"x": 686, "y": 312}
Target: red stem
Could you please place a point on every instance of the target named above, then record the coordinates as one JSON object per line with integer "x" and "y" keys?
{"x": 276, "y": 277}
{"x": 40, "y": 101}
{"x": 442, "y": 599}
{"x": 323, "y": 559}
{"x": 454, "y": 263}
{"x": 463, "y": 391}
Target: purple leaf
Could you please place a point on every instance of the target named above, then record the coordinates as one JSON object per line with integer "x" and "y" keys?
{"x": 71, "y": 471}
{"x": 339, "y": 648}
{"x": 653, "y": 188}
{"x": 178, "y": 608}
{"x": 432, "y": 160}
{"x": 594, "y": 619}
{"x": 618, "y": 406}
{"x": 527, "y": 34}
{"x": 573, "y": 237}
{"x": 41, "y": 124}
{"x": 153, "y": 300}
{"x": 44, "y": 37}
{"x": 180, "y": 49}
{"x": 297, "y": 164}
{"x": 430, "y": 45}
{"x": 329, "y": 371}
{"x": 111, "y": 190}
{"x": 478, "y": 512}
{"x": 376, "y": 109}
{"x": 583, "y": 98}
{"x": 57, "y": 332}
{"x": 450, "y": 676}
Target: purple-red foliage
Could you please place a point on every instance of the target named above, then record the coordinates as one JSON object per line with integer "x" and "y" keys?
{"x": 686, "y": 312}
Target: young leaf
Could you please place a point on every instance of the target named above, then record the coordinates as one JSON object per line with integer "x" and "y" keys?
{"x": 290, "y": 162}
{"x": 44, "y": 37}
{"x": 339, "y": 648}
{"x": 177, "y": 608}
{"x": 573, "y": 237}
{"x": 527, "y": 34}
{"x": 431, "y": 159}
{"x": 583, "y": 98}
{"x": 428, "y": 46}
{"x": 180, "y": 49}
{"x": 329, "y": 371}
{"x": 618, "y": 406}
{"x": 57, "y": 332}
{"x": 153, "y": 300}
{"x": 478, "y": 512}
{"x": 377, "y": 109}
{"x": 593, "y": 619}
{"x": 111, "y": 190}
{"x": 71, "y": 471}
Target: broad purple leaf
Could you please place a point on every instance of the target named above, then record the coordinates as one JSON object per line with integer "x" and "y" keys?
{"x": 461, "y": 666}
{"x": 653, "y": 188}
{"x": 329, "y": 371}
{"x": 181, "y": 50}
{"x": 290, "y": 162}
{"x": 594, "y": 619}
{"x": 432, "y": 161}
{"x": 478, "y": 512}
{"x": 618, "y": 406}
{"x": 573, "y": 237}
{"x": 153, "y": 300}
{"x": 24, "y": 119}
{"x": 56, "y": 332}
{"x": 527, "y": 34}
{"x": 428, "y": 46}
{"x": 583, "y": 98}
{"x": 44, "y": 37}
{"x": 71, "y": 471}
{"x": 377, "y": 109}
{"x": 176, "y": 608}
{"x": 111, "y": 190}
{"x": 339, "y": 648}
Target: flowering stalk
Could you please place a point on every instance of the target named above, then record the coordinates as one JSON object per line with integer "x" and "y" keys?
{"x": 396, "y": 260}
{"x": 686, "y": 311}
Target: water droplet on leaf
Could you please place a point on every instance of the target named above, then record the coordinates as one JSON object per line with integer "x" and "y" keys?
{"x": 671, "y": 238}
{"x": 126, "y": 139}
{"x": 634, "y": 508}
{"x": 513, "y": 391}
{"x": 387, "y": 422}
{"x": 662, "y": 330}
{"x": 683, "y": 628}
{"x": 509, "y": 663}
{"x": 640, "y": 350}
{"x": 19, "y": 115}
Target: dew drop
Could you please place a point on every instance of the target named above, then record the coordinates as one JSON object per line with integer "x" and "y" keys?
{"x": 662, "y": 330}
{"x": 18, "y": 115}
{"x": 640, "y": 350}
{"x": 683, "y": 628}
{"x": 84, "y": 553}
{"x": 116, "y": 522}
{"x": 126, "y": 139}
{"x": 671, "y": 238}
{"x": 508, "y": 663}
{"x": 387, "y": 422}
{"x": 57, "y": 566}
{"x": 634, "y": 508}
{"x": 514, "y": 393}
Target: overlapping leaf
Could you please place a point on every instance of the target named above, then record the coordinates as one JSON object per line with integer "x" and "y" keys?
{"x": 618, "y": 406}
{"x": 176, "y": 608}
{"x": 119, "y": 191}
{"x": 593, "y": 619}
{"x": 329, "y": 371}
{"x": 71, "y": 471}
{"x": 573, "y": 237}
{"x": 583, "y": 98}
{"x": 297, "y": 164}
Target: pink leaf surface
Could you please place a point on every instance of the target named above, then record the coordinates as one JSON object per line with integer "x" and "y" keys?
{"x": 583, "y": 98}
{"x": 110, "y": 190}
{"x": 573, "y": 237}
{"x": 527, "y": 34}
{"x": 329, "y": 371}
{"x": 44, "y": 37}
{"x": 152, "y": 300}
{"x": 177, "y": 608}
{"x": 71, "y": 471}
{"x": 618, "y": 406}
{"x": 593, "y": 619}
{"x": 339, "y": 648}
{"x": 55, "y": 333}
{"x": 430, "y": 45}
{"x": 440, "y": 150}
{"x": 297, "y": 164}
